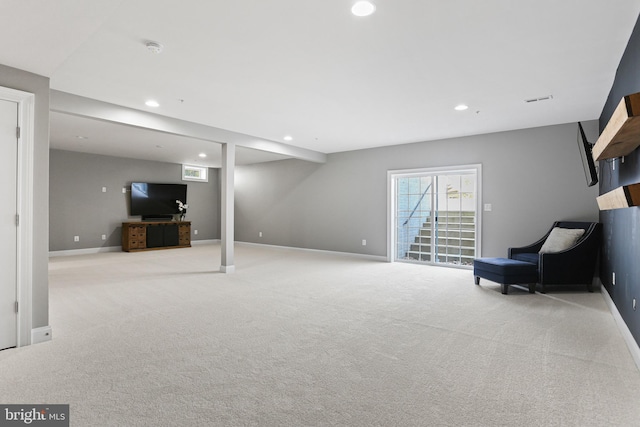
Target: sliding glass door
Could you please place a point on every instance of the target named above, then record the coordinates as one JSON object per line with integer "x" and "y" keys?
{"x": 435, "y": 215}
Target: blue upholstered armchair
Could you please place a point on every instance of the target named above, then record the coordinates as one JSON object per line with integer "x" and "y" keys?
{"x": 572, "y": 266}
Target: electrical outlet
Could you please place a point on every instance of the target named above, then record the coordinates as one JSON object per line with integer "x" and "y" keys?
{"x": 364, "y": 242}
{"x": 260, "y": 234}
{"x": 613, "y": 278}
{"x": 76, "y": 238}
{"x": 195, "y": 232}
{"x": 487, "y": 207}
{"x": 104, "y": 237}
{"x": 124, "y": 190}
{"x": 634, "y": 304}
{"x": 104, "y": 189}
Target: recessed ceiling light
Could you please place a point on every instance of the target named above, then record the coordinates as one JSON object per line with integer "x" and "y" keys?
{"x": 202, "y": 155}
{"x": 288, "y": 138}
{"x": 152, "y": 103}
{"x": 363, "y": 8}
{"x": 82, "y": 137}
{"x": 461, "y": 107}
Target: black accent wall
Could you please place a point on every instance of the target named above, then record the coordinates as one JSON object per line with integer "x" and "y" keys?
{"x": 621, "y": 227}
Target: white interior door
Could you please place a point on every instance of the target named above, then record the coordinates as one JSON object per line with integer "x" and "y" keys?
{"x": 8, "y": 226}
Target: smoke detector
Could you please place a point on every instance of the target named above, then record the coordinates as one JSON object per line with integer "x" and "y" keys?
{"x": 154, "y": 47}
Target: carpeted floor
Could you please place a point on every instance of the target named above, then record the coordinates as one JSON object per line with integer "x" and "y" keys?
{"x": 297, "y": 338}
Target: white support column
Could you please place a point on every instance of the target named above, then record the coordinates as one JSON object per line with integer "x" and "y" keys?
{"x": 228, "y": 195}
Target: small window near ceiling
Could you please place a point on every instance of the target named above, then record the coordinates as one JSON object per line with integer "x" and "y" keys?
{"x": 194, "y": 173}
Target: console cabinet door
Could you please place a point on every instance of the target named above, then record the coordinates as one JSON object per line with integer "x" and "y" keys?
{"x": 152, "y": 235}
{"x": 155, "y": 235}
{"x": 170, "y": 235}
{"x": 184, "y": 234}
{"x": 137, "y": 237}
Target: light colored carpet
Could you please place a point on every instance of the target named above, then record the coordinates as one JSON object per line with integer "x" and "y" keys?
{"x": 297, "y": 338}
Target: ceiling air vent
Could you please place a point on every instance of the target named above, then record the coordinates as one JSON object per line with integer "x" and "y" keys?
{"x": 544, "y": 98}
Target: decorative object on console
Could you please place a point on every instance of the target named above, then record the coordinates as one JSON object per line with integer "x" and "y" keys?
{"x": 182, "y": 207}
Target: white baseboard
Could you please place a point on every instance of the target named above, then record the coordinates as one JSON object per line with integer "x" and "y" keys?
{"x": 42, "y": 334}
{"x": 228, "y": 269}
{"x": 85, "y": 251}
{"x": 352, "y": 254}
{"x": 88, "y": 251}
{"x": 634, "y": 349}
{"x": 204, "y": 242}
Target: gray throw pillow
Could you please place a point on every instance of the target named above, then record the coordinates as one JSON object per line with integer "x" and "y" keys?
{"x": 560, "y": 239}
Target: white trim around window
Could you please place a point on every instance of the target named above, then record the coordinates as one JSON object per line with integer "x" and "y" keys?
{"x": 195, "y": 173}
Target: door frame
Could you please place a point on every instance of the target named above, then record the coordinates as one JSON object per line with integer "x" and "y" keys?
{"x": 24, "y": 208}
{"x": 393, "y": 175}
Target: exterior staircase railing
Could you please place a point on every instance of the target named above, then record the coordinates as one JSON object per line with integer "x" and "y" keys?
{"x": 417, "y": 204}
{"x": 453, "y": 235}
{"x": 407, "y": 234}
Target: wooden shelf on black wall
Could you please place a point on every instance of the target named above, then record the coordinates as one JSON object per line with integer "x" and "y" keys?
{"x": 622, "y": 197}
{"x": 622, "y": 134}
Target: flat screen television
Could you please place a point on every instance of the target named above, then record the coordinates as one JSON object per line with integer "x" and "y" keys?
{"x": 588, "y": 164}
{"x": 156, "y": 200}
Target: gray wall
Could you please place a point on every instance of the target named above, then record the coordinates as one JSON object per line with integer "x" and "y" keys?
{"x": 531, "y": 177}
{"x": 78, "y": 207}
{"x": 38, "y": 85}
{"x": 621, "y": 249}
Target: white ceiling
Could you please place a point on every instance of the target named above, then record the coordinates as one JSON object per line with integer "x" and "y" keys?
{"x": 312, "y": 70}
